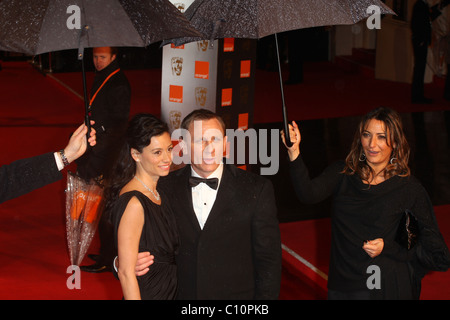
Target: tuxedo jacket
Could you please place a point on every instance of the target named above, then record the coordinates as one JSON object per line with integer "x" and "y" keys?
{"x": 237, "y": 255}
{"x": 23, "y": 176}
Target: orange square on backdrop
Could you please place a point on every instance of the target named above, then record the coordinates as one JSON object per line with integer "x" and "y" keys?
{"x": 243, "y": 121}
{"x": 176, "y": 94}
{"x": 201, "y": 69}
{"x": 179, "y": 47}
{"x": 245, "y": 68}
{"x": 228, "y": 44}
{"x": 227, "y": 95}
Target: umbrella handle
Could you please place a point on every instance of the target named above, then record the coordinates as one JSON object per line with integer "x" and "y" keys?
{"x": 285, "y": 117}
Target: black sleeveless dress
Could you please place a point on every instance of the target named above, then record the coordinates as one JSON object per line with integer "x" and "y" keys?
{"x": 160, "y": 237}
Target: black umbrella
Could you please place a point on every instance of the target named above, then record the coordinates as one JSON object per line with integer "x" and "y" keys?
{"x": 259, "y": 18}
{"x": 39, "y": 26}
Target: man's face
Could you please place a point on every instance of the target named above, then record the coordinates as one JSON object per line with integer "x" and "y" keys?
{"x": 208, "y": 143}
{"x": 102, "y": 57}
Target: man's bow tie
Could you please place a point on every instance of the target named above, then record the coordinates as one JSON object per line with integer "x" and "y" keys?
{"x": 212, "y": 183}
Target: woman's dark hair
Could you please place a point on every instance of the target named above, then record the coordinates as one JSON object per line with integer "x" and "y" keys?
{"x": 141, "y": 128}
{"x": 355, "y": 162}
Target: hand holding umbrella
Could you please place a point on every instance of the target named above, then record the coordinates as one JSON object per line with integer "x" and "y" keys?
{"x": 296, "y": 137}
{"x": 77, "y": 144}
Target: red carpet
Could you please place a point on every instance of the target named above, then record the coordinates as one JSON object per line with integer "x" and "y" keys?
{"x": 38, "y": 113}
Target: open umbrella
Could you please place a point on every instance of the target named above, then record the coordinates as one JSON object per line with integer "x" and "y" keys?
{"x": 256, "y": 19}
{"x": 39, "y": 26}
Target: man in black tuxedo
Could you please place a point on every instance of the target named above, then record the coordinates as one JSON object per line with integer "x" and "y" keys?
{"x": 109, "y": 107}
{"x": 25, "y": 175}
{"x": 230, "y": 239}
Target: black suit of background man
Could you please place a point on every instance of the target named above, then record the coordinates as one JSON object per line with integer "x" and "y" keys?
{"x": 110, "y": 110}
{"x": 422, "y": 17}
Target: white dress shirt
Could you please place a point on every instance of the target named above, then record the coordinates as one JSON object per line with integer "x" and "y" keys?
{"x": 203, "y": 197}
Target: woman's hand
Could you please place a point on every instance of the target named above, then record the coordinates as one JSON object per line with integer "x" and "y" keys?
{"x": 295, "y": 136}
{"x": 374, "y": 247}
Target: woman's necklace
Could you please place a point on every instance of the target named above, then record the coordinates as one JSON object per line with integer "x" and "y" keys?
{"x": 157, "y": 197}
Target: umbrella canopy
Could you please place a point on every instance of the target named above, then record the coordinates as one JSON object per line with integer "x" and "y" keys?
{"x": 39, "y": 26}
{"x": 259, "y": 18}
{"x": 256, "y": 19}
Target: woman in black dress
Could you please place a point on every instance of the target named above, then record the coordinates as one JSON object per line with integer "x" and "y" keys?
{"x": 371, "y": 190}
{"x": 140, "y": 213}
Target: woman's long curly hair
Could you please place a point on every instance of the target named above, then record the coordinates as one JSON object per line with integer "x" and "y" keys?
{"x": 141, "y": 128}
{"x": 355, "y": 161}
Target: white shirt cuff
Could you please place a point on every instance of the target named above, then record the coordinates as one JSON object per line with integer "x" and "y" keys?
{"x": 59, "y": 162}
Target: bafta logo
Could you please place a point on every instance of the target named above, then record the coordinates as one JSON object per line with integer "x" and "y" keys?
{"x": 244, "y": 94}
{"x": 202, "y": 45}
{"x": 200, "y": 96}
{"x": 180, "y": 6}
{"x": 175, "y": 119}
{"x": 227, "y": 68}
{"x": 177, "y": 65}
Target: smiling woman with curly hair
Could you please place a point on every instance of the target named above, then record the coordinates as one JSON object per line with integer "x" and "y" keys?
{"x": 372, "y": 190}
{"x": 364, "y": 159}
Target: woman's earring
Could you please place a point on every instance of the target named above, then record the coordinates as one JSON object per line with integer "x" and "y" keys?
{"x": 362, "y": 157}
{"x": 393, "y": 158}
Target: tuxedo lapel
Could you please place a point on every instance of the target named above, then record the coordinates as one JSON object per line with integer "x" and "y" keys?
{"x": 184, "y": 199}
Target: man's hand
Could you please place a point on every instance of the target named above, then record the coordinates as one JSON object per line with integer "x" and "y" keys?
{"x": 144, "y": 261}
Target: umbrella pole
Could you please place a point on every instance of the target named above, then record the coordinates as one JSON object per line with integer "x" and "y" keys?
{"x": 82, "y": 36}
{"x": 285, "y": 118}
{"x": 86, "y": 102}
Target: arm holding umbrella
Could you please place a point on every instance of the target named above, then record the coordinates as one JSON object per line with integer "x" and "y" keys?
{"x": 26, "y": 175}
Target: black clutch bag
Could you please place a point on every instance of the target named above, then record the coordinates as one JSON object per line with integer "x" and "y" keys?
{"x": 408, "y": 230}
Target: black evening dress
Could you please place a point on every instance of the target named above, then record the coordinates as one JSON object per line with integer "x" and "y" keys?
{"x": 159, "y": 237}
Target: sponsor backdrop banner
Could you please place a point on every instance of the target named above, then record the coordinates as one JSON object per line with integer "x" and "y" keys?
{"x": 235, "y": 82}
{"x": 189, "y": 75}
{"x": 218, "y": 76}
